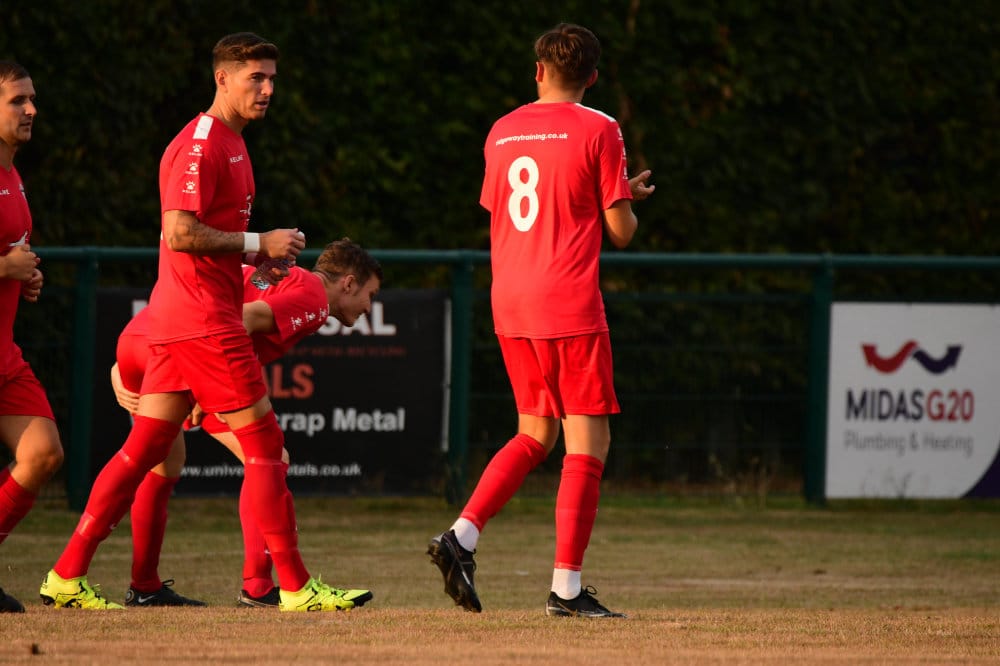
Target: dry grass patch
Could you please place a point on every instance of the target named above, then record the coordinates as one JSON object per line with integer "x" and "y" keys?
{"x": 702, "y": 581}
{"x": 408, "y": 636}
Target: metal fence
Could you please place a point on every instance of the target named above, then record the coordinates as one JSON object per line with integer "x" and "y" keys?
{"x": 720, "y": 360}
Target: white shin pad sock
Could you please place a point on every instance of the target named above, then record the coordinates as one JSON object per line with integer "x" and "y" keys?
{"x": 566, "y": 583}
{"x": 466, "y": 533}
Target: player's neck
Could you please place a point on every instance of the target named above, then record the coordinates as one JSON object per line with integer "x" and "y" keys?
{"x": 328, "y": 286}
{"x": 229, "y": 118}
{"x": 556, "y": 95}
{"x": 552, "y": 88}
{"x": 7, "y": 155}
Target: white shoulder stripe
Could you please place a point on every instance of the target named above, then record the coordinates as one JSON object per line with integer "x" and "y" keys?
{"x": 204, "y": 125}
{"x": 598, "y": 112}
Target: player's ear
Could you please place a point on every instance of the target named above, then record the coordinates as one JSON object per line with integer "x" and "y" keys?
{"x": 592, "y": 80}
{"x": 349, "y": 282}
{"x": 539, "y": 71}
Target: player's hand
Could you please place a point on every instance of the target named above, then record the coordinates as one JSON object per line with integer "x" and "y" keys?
{"x": 19, "y": 263}
{"x": 197, "y": 415}
{"x": 32, "y": 287}
{"x": 128, "y": 400}
{"x": 640, "y": 190}
{"x": 274, "y": 270}
{"x": 282, "y": 244}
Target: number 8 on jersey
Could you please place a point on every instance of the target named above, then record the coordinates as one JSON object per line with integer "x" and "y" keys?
{"x": 523, "y": 190}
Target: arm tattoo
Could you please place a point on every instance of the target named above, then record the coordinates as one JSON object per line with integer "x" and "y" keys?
{"x": 191, "y": 235}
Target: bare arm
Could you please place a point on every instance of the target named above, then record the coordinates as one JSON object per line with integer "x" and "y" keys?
{"x": 258, "y": 317}
{"x": 184, "y": 232}
{"x": 620, "y": 223}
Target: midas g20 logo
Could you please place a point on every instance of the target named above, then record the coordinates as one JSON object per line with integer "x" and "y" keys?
{"x": 912, "y": 350}
{"x": 913, "y": 405}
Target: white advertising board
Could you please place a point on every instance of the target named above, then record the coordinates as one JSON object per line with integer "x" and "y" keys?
{"x": 913, "y": 407}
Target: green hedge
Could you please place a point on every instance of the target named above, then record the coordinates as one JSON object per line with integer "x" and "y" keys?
{"x": 850, "y": 127}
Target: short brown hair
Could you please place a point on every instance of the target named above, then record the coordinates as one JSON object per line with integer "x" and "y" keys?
{"x": 11, "y": 71}
{"x": 572, "y": 50}
{"x": 242, "y": 46}
{"x": 345, "y": 257}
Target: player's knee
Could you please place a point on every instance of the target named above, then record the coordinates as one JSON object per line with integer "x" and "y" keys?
{"x": 41, "y": 454}
{"x": 150, "y": 441}
{"x": 52, "y": 460}
{"x": 262, "y": 439}
{"x": 40, "y": 468}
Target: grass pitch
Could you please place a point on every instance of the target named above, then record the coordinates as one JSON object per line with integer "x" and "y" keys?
{"x": 703, "y": 581}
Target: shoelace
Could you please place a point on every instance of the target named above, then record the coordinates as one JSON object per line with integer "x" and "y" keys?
{"x": 94, "y": 590}
{"x": 591, "y": 592}
{"x": 466, "y": 553}
{"x": 320, "y": 586}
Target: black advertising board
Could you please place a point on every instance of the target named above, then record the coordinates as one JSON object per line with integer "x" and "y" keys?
{"x": 362, "y": 408}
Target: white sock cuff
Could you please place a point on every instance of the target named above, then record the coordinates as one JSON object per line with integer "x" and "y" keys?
{"x": 467, "y": 533}
{"x": 566, "y": 583}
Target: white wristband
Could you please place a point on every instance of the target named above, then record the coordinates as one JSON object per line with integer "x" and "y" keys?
{"x": 251, "y": 242}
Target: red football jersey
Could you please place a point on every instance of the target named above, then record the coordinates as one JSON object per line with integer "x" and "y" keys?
{"x": 298, "y": 302}
{"x": 551, "y": 171}
{"x": 15, "y": 229}
{"x": 299, "y": 306}
{"x": 206, "y": 170}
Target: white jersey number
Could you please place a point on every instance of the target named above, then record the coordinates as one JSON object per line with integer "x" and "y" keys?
{"x": 523, "y": 190}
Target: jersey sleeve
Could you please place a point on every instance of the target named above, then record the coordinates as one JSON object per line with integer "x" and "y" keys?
{"x": 614, "y": 166}
{"x": 486, "y": 193}
{"x": 300, "y": 308}
{"x": 191, "y": 177}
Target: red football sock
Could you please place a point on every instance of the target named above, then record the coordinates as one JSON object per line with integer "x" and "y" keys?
{"x": 149, "y": 524}
{"x": 576, "y": 508}
{"x": 114, "y": 488}
{"x": 502, "y": 477}
{"x": 270, "y": 500}
{"x": 256, "y": 559}
{"x": 15, "y": 503}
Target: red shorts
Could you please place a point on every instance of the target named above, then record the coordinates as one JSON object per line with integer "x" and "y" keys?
{"x": 222, "y": 372}
{"x": 561, "y": 376}
{"x": 21, "y": 394}
{"x": 132, "y": 354}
